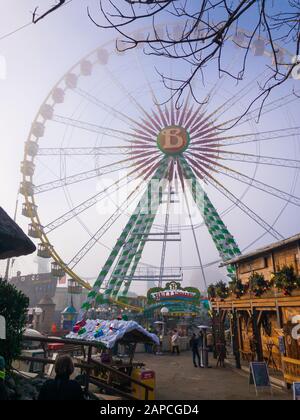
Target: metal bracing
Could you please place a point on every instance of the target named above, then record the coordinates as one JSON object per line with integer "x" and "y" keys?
{"x": 135, "y": 263}
{"x": 164, "y": 247}
{"x": 103, "y": 229}
{"x": 223, "y": 240}
{"x": 84, "y": 176}
{"x": 92, "y": 297}
{"x": 237, "y": 202}
{"x": 129, "y": 252}
{"x": 258, "y": 112}
{"x": 96, "y": 101}
{"x": 147, "y": 278}
{"x": 264, "y": 160}
{"x": 84, "y": 151}
{"x": 137, "y": 259}
{"x": 127, "y": 257}
{"x": 195, "y": 240}
{"x": 85, "y": 205}
{"x": 98, "y": 129}
{"x": 221, "y": 140}
{"x": 275, "y": 192}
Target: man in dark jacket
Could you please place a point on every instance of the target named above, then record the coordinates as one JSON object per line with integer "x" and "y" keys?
{"x": 194, "y": 343}
{"x": 62, "y": 388}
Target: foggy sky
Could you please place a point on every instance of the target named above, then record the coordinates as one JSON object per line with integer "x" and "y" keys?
{"x": 38, "y": 56}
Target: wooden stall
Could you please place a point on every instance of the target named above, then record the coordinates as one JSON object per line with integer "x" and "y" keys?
{"x": 265, "y": 320}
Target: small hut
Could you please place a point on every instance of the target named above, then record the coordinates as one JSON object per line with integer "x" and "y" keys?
{"x": 69, "y": 318}
{"x": 13, "y": 241}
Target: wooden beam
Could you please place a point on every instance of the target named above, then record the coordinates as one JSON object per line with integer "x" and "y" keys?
{"x": 259, "y": 319}
{"x": 235, "y": 340}
{"x": 257, "y": 336}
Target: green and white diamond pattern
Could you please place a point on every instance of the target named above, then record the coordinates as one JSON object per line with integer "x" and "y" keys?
{"x": 224, "y": 241}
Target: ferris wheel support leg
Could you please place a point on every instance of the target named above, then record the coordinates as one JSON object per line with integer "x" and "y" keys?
{"x": 224, "y": 241}
{"x": 94, "y": 295}
{"x": 143, "y": 226}
{"x": 126, "y": 258}
{"x": 136, "y": 262}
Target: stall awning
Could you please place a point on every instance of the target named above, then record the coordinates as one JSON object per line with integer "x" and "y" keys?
{"x": 108, "y": 333}
{"x": 13, "y": 241}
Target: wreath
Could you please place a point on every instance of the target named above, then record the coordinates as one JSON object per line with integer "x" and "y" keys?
{"x": 222, "y": 290}
{"x": 237, "y": 288}
{"x": 258, "y": 284}
{"x": 211, "y": 291}
{"x": 286, "y": 280}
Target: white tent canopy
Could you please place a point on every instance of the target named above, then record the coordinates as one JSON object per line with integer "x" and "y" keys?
{"x": 109, "y": 333}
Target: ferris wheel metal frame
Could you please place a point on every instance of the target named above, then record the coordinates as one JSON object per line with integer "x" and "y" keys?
{"x": 203, "y": 157}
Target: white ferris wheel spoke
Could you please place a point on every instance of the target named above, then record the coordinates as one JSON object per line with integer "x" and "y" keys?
{"x": 84, "y": 176}
{"x": 224, "y": 170}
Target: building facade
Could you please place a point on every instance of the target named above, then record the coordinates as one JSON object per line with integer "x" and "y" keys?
{"x": 262, "y": 305}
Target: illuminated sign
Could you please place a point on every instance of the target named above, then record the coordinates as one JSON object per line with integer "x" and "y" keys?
{"x": 173, "y": 292}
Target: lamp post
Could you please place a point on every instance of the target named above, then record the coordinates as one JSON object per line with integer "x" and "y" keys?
{"x": 204, "y": 349}
{"x": 164, "y": 311}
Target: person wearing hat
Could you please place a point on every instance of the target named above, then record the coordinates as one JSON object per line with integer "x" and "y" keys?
{"x": 3, "y": 392}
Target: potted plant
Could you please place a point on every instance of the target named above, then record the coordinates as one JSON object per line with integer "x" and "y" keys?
{"x": 211, "y": 291}
{"x": 222, "y": 290}
{"x": 237, "y": 288}
{"x": 286, "y": 280}
{"x": 258, "y": 284}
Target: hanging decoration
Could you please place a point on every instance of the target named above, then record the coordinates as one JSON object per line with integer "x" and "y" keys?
{"x": 286, "y": 280}
{"x": 238, "y": 288}
{"x": 222, "y": 290}
{"x": 258, "y": 284}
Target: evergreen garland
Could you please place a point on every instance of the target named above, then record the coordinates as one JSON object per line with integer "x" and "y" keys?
{"x": 222, "y": 290}
{"x": 286, "y": 280}
{"x": 237, "y": 288}
{"x": 258, "y": 284}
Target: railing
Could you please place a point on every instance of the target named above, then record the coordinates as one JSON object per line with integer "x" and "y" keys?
{"x": 88, "y": 365}
{"x": 82, "y": 366}
{"x": 291, "y": 368}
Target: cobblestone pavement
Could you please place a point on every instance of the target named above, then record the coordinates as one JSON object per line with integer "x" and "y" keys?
{"x": 178, "y": 379}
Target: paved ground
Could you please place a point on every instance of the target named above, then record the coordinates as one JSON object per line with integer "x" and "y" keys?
{"x": 178, "y": 379}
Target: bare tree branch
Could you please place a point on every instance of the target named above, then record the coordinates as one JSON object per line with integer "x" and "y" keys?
{"x": 200, "y": 32}
{"x": 36, "y": 19}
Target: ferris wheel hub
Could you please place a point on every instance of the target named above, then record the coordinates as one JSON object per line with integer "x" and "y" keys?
{"x": 173, "y": 140}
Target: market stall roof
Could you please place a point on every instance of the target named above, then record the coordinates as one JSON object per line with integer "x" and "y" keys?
{"x": 69, "y": 310}
{"x": 108, "y": 333}
{"x": 13, "y": 241}
{"x": 263, "y": 250}
{"x": 29, "y": 332}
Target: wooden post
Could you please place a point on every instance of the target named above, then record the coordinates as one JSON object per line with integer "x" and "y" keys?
{"x": 257, "y": 336}
{"x": 215, "y": 332}
{"x": 235, "y": 340}
{"x": 88, "y": 371}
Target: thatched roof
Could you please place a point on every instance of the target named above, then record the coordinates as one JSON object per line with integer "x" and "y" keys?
{"x": 13, "y": 241}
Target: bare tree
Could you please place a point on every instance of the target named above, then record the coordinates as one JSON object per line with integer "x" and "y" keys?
{"x": 36, "y": 18}
{"x": 199, "y": 33}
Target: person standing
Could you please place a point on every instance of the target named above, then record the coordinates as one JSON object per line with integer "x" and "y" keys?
{"x": 62, "y": 388}
{"x": 194, "y": 343}
{"x": 175, "y": 342}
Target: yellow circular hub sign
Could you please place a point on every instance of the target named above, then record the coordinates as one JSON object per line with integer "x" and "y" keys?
{"x": 173, "y": 140}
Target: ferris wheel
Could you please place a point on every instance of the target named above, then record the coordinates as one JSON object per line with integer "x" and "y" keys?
{"x": 104, "y": 156}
